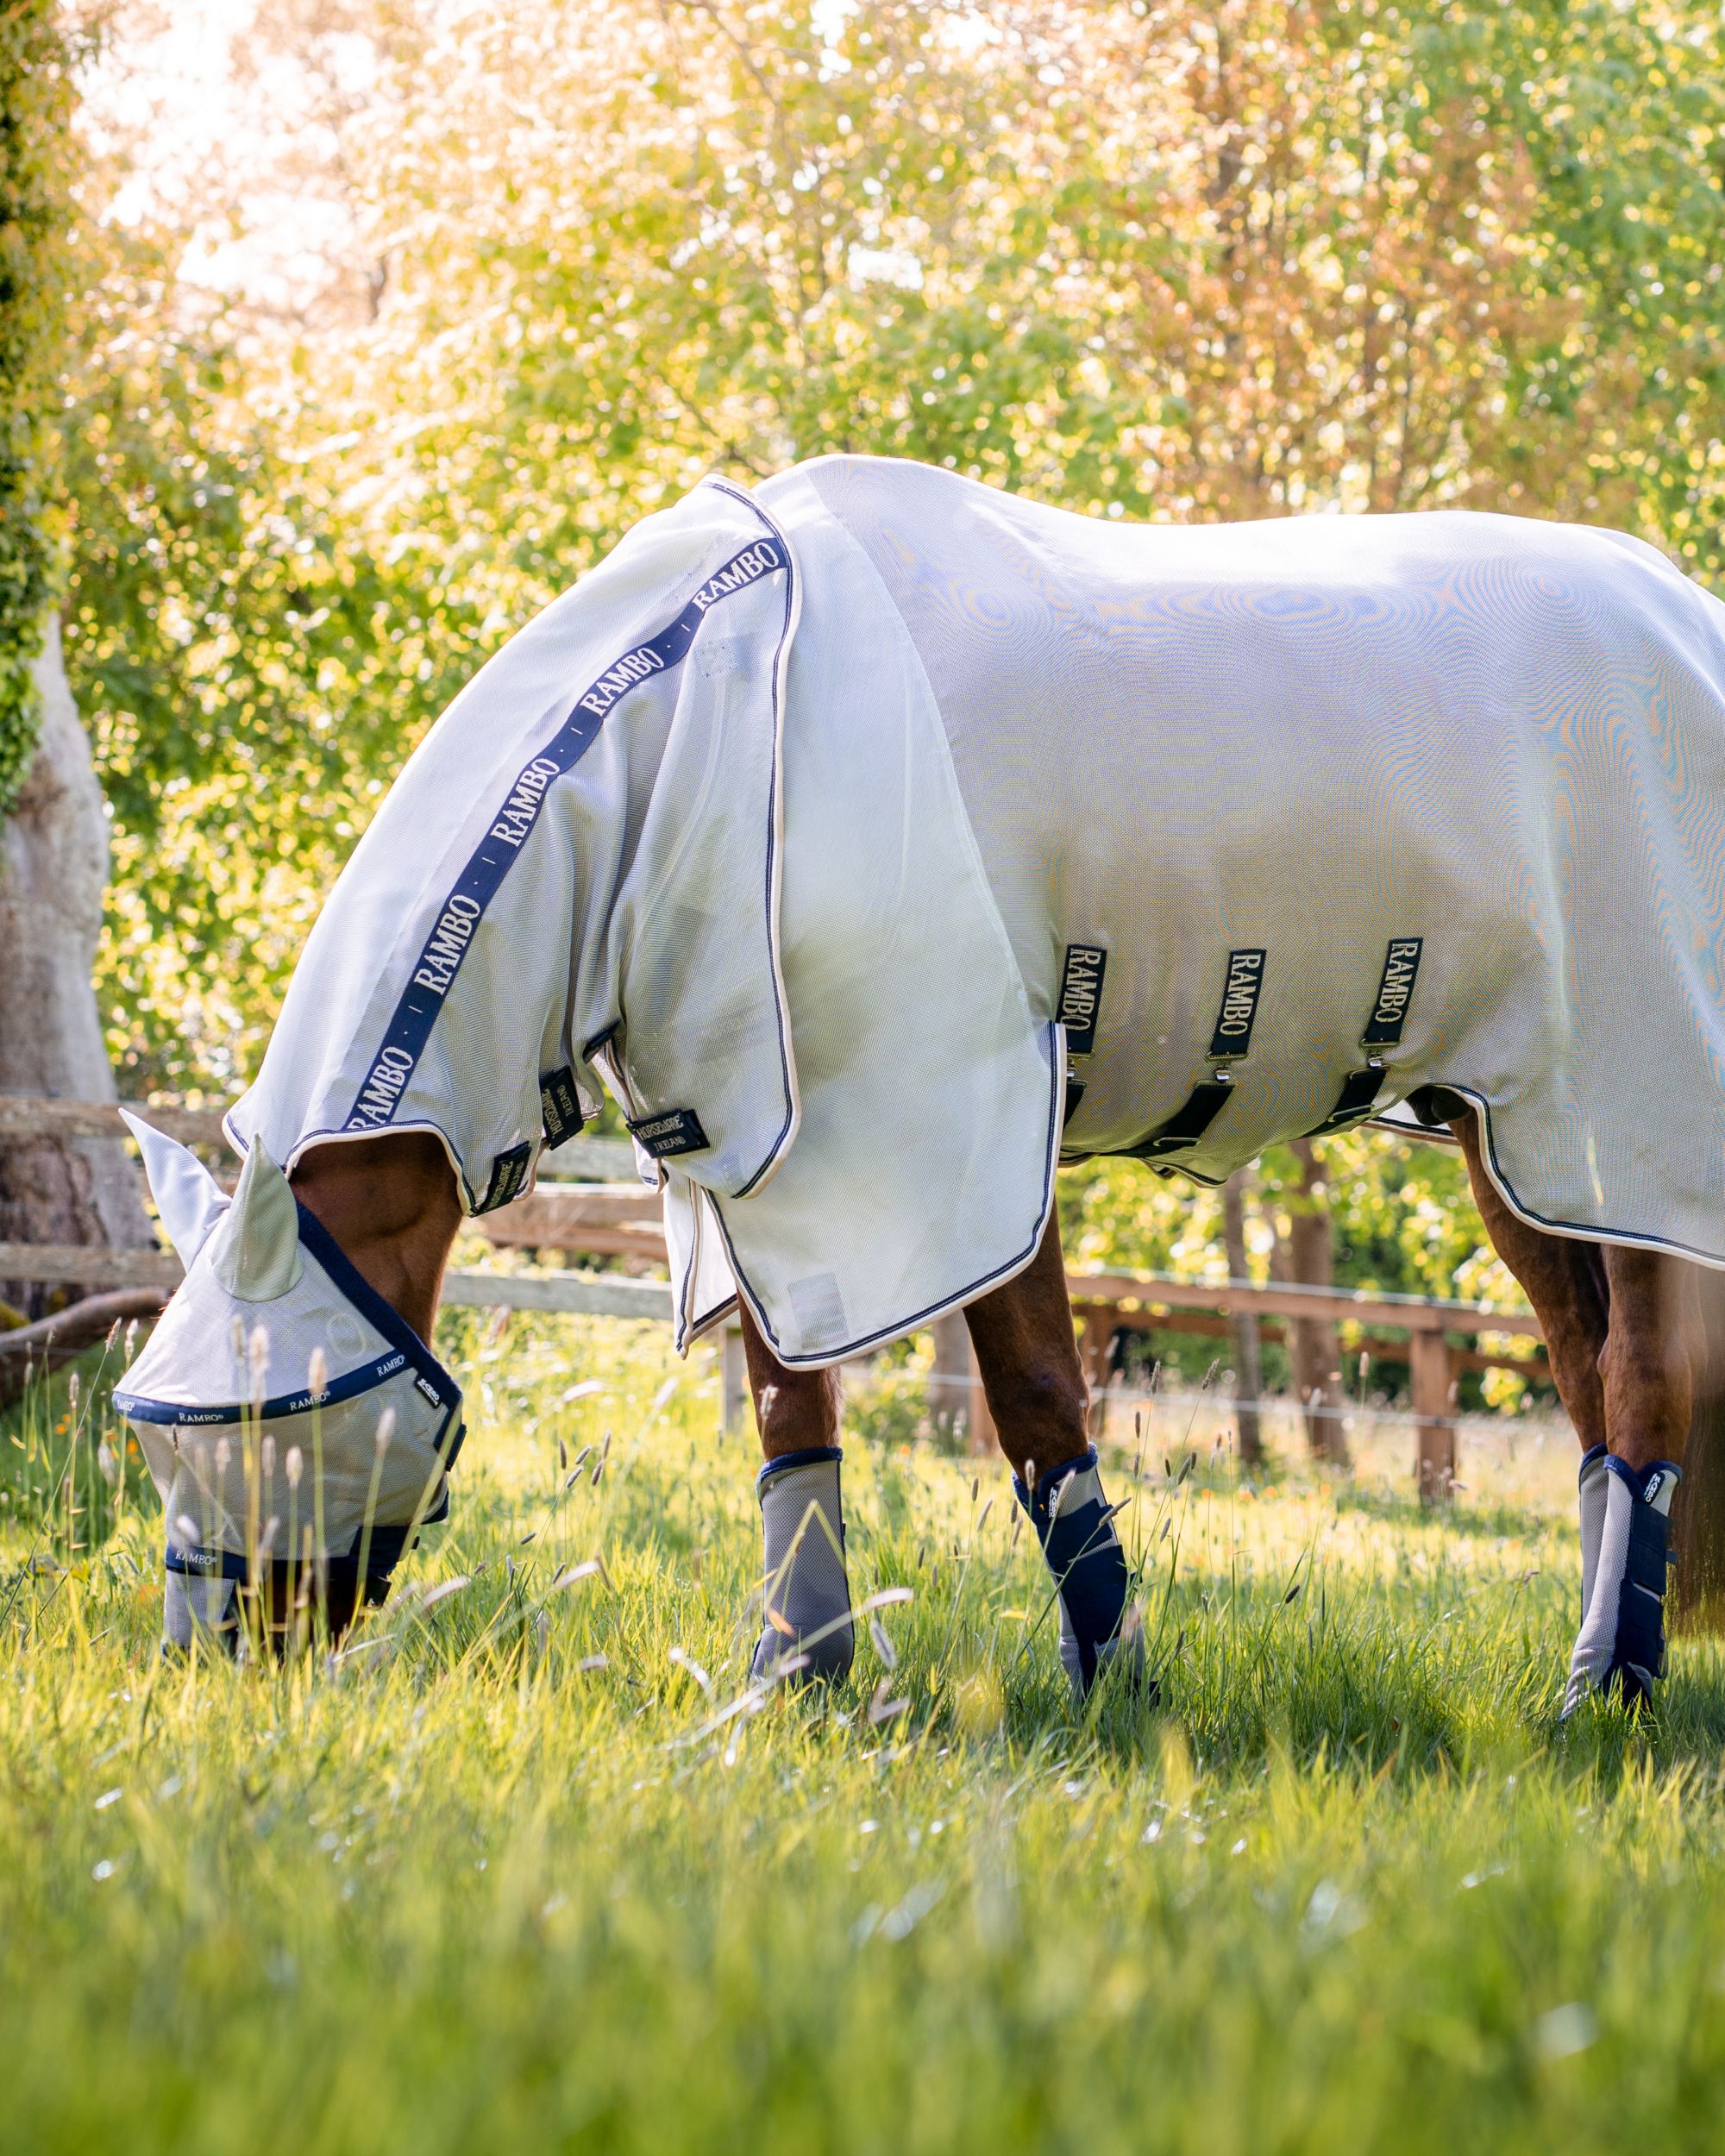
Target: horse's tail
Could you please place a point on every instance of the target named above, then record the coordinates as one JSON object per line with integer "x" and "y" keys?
{"x": 1698, "y": 1603}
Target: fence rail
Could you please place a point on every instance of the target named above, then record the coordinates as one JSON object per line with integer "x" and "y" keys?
{"x": 24, "y": 1116}
{"x": 597, "y": 1215}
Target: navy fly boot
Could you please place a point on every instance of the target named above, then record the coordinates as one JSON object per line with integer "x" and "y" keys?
{"x": 1622, "y": 1639}
{"x": 1076, "y": 1527}
{"x": 807, "y": 1592}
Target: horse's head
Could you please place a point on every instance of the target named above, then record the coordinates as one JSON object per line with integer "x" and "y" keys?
{"x": 282, "y": 1405}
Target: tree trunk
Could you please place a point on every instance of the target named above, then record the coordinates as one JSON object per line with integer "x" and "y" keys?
{"x": 53, "y": 871}
{"x": 1248, "y": 1363}
{"x": 1315, "y": 1348}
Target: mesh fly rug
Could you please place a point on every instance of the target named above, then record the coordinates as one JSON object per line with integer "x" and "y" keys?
{"x": 875, "y": 837}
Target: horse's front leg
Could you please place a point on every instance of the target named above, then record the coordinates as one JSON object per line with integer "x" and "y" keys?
{"x": 805, "y": 1600}
{"x": 1620, "y": 1328}
{"x": 1028, "y": 1357}
{"x": 1647, "y": 1374}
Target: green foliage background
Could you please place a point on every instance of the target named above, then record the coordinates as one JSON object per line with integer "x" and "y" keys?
{"x": 1164, "y": 262}
{"x": 35, "y": 101}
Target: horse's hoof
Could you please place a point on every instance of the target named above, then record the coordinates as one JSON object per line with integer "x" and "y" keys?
{"x": 779, "y": 1660}
{"x": 1122, "y": 1660}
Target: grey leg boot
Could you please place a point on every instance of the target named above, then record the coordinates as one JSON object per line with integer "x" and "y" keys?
{"x": 806, "y": 1586}
{"x": 197, "y": 1605}
{"x": 1590, "y": 1491}
{"x": 1622, "y": 1640}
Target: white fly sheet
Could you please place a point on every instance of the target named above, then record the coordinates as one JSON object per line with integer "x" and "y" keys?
{"x": 861, "y": 832}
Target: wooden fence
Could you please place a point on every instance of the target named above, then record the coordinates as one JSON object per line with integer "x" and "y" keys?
{"x": 613, "y": 1215}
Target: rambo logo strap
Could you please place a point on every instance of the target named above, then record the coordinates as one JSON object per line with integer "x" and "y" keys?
{"x": 1360, "y": 1089}
{"x": 1189, "y": 1120}
{"x": 1232, "y": 1038}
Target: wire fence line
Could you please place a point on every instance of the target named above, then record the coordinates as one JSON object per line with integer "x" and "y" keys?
{"x": 1140, "y": 1397}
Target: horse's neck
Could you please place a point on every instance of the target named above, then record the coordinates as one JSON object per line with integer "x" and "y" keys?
{"x": 392, "y": 1205}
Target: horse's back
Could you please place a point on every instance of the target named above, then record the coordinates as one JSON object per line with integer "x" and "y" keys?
{"x": 1312, "y": 737}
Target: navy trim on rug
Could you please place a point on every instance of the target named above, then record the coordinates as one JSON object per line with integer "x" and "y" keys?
{"x": 773, "y": 1150}
{"x": 433, "y": 974}
{"x": 1627, "y": 1239}
{"x": 1015, "y": 1264}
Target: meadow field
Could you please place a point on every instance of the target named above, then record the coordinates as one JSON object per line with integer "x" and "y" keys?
{"x": 529, "y": 1869}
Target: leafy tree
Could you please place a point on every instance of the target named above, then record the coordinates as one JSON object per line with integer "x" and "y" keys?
{"x": 252, "y": 669}
{"x": 35, "y": 102}
{"x": 1165, "y": 261}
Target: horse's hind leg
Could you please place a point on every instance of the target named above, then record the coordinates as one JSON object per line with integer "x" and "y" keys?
{"x": 806, "y": 1596}
{"x": 1621, "y": 1331}
{"x": 1028, "y": 1357}
{"x": 1646, "y": 1371}
{"x": 1566, "y": 1282}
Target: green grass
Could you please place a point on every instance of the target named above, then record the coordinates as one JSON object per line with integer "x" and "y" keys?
{"x": 468, "y": 1889}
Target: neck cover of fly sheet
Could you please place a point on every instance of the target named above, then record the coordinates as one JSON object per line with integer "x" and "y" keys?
{"x": 877, "y": 836}
{"x": 588, "y": 841}
{"x": 583, "y": 873}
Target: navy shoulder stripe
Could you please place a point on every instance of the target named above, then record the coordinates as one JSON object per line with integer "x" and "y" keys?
{"x": 440, "y": 959}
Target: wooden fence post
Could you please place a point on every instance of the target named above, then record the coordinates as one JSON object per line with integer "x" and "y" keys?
{"x": 733, "y": 1381}
{"x": 984, "y": 1437}
{"x": 1098, "y": 1339}
{"x": 1428, "y": 1356}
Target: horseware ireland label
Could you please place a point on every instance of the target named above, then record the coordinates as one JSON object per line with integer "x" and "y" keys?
{"x": 1080, "y": 996}
{"x": 559, "y": 1105}
{"x": 678, "y": 1131}
{"x": 1395, "y": 992}
{"x": 508, "y": 1176}
{"x": 1232, "y": 1036}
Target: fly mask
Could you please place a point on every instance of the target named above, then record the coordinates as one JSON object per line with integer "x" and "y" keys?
{"x": 347, "y": 1455}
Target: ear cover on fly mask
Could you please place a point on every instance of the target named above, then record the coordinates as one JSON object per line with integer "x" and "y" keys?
{"x": 256, "y": 1253}
{"x": 1622, "y": 1641}
{"x": 802, "y": 1516}
{"x": 188, "y": 1197}
{"x": 1074, "y": 1525}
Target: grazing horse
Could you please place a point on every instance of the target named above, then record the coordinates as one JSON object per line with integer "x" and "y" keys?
{"x": 878, "y": 841}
